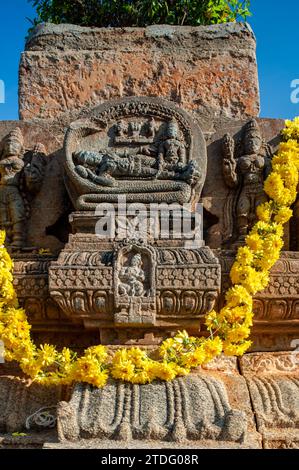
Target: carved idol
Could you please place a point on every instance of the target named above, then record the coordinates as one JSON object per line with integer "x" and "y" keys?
{"x": 246, "y": 172}
{"x": 102, "y": 167}
{"x": 146, "y": 148}
{"x": 168, "y": 162}
{"x": 172, "y": 158}
{"x": 12, "y": 207}
{"x": 132, "y": 278}
{"x": 15, "y": 178}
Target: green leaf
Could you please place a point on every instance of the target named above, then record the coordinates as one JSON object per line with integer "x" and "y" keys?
{"x": 140, "y": 12}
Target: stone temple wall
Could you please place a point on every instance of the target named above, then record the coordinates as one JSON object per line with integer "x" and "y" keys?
{"x": 205, "y": 78}
{"x": 209, "y": 71}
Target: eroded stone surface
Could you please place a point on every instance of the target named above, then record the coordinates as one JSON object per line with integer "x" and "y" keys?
{"x": 20, "y": 402}
{"x": 68, "y": 68}
{"x": 273, "y": 382}
{"x": 158, "y": 411}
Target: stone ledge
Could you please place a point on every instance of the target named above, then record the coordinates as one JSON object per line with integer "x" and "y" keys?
{"x": 149, "y": 444}
{"x": 68, "y": 68}
{"x": 49, "y": 36}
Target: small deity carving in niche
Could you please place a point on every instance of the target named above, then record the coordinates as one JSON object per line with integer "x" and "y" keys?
{"x": 132, "y": 278}
{"x": 21, "y": 174}
{"x": 245, "y": 167}
{"x": 163, "y": 159}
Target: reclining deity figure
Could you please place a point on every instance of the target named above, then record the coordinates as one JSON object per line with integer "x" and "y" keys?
{"x": 15, "y": 177}
{"x": 163, "y": 160}
{"x": 248, "y": 172}
{"x": 132, "y": 278}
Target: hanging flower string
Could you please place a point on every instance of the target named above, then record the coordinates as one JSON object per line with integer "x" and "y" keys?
{"x": 228, "y": 329}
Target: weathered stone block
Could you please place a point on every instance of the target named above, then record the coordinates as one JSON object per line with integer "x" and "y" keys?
{"x": 21, "y": 404}
{"x": 159, "y": 411}
{"x": 68, "y": 68}
{"x": 273, "y": 382}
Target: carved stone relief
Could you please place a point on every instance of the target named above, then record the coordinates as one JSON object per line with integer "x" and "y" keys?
{"x": 156, "y": 412}
{"x": 186, "y": 280}
{"x": 146, "y": 148}
{"x": 135, "y": 284}
{"x": 150, "y": 151}
{"x": 31, "y": 282}
{"x": 273, "y": 382}
{"x": 21, "y": 175}
{"x": 246, "y": 164}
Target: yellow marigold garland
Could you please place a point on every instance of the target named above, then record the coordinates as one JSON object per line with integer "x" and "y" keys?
{"x": 229, "y": 329}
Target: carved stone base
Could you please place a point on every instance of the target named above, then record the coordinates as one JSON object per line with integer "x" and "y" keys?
{"x": 195, "y": 408}
{"x": 251, "y": 402}
{"x": 119, "y": 284}
{"x": 20, "y": 403}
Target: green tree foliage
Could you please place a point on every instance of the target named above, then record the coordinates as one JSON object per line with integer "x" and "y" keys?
{"x": 140, "y": 12}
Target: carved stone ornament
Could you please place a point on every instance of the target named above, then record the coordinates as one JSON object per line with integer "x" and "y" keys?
{"x": 21, "y": 175}
{"x": 195, "y": 408}
{"x": 246, "y": 164}
{"x": 134, "y": 284}
{"x": 146, "y": 148}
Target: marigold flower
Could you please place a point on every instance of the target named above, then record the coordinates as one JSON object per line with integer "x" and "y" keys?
{"x": 231, "y": 349}
{"x": 164, "y": 371}
{"x": 244, "y": 255}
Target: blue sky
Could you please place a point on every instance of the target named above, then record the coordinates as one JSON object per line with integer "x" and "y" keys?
{"x": 275, "y": 24}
